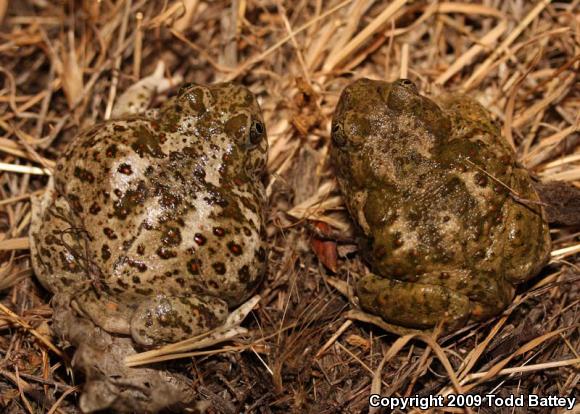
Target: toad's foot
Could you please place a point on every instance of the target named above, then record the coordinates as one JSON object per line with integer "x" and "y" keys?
{"x": 412, "y": 304}
{"x": 227, "y": 331}
{"x": 162, "y": 319}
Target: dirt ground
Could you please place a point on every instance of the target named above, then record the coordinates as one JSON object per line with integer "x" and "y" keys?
{"x": 63, "y": 64}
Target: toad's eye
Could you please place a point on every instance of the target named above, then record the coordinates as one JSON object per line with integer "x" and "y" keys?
{"x": 257, "y": 131}
{"x": 337, "y": 135}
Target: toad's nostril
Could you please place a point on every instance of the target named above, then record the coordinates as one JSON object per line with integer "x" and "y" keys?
{"x": 337, "y": 134}
{"x": 407, "y": 84}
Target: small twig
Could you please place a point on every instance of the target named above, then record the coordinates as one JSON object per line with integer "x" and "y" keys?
{"x": 118, "y": 60}
{"x": 23, "y": 169}
{"x": 513, "y": 192}
{"x": 137, "y": 55}
{"x": 333, "y": 338}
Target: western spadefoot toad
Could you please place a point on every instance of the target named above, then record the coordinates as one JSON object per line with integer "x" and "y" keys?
{"x": 155, "y": 223}
{"x": 449, "y": 221}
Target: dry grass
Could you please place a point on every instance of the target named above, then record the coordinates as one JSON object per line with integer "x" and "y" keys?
{"x": 64, "y": 63}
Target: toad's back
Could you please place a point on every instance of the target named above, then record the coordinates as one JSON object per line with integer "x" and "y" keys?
{"x": 168, "y": 204}
{"x": 429, "y": 186}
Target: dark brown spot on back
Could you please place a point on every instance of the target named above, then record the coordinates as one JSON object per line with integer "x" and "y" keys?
{"x": 125, "y": 169}
{"x": 130, "y": 200}
{"x": 480, "y": 179}
{"x": 194, "y": 266}
{"x": 84, "y": 175}
{"x": 235, "y": 248}
{"x": 146, "y": 142}
{"x": 165, "y": 253}
{"x": 105, "y": 252}
{"x": 75, "y": 203}
{"x": 95, "y": 208}
{"x": 199, "y": 239}
{"x": 137, "y": 264}
{"x": 110, "y": 233}
{"x": 219, "y": 267}
{"x": 219, "y": 231}
{"x": 111, "y": 151}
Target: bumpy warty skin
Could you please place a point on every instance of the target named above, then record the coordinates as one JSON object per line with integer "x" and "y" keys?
{"x": 160, "y": 220}
{"x": 448, "y": 220}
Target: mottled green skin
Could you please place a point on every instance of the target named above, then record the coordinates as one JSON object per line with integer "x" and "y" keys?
{"x": 155, "y": 224}
{"x": 445, "y": 240}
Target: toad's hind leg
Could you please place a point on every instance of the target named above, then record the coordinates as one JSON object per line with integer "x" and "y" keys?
{"x": 412, "y": 304}
{"x": 163, "y": 319}
{"x": 527, "y": 245}
{"x": 57, "y": 242}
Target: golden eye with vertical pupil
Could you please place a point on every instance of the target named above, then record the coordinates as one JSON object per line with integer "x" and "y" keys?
{"x": 256, "y": 132}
